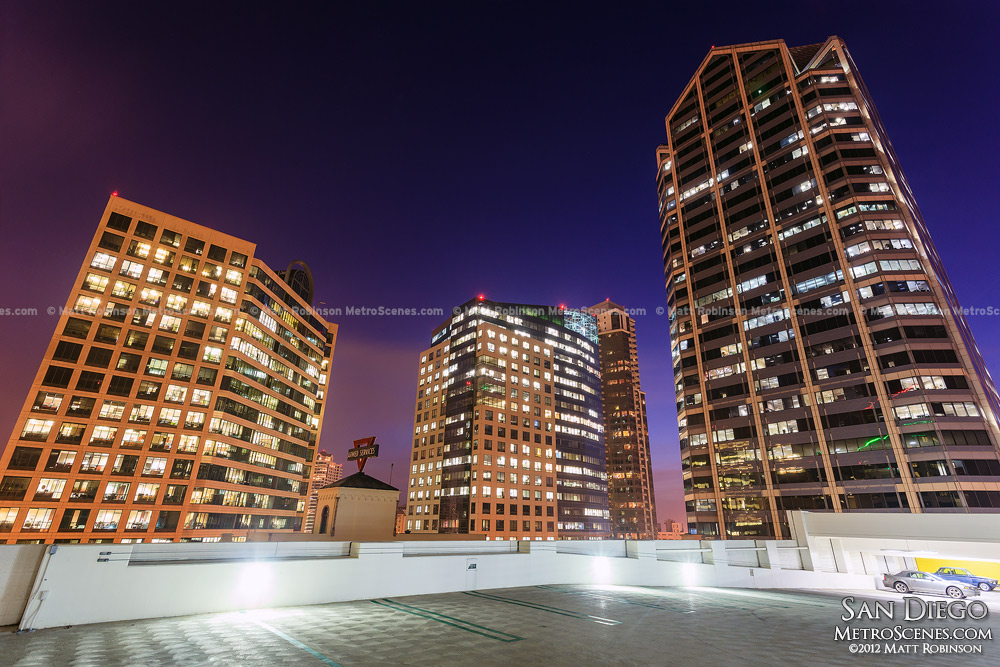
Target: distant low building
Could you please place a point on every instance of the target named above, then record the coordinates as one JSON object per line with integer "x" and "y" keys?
{"x": 672, "y": 530}
{"x": 400, "y": 520}
{"x": 325, "y": 471}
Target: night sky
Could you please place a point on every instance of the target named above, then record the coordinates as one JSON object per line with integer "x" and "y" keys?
{"x": 418, "y": 154}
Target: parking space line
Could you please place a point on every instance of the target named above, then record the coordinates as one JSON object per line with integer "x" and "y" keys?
{"x": 602, "y": 596}
{"x": 451, "y": 620}
{"x": 774, "y": 597}
{"x": 544, "y": 607}
{"x": 298, "y": 644}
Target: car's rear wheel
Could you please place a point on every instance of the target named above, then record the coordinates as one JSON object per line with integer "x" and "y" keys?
{"x": 954, "y": 592}
{"x": 901, "y": 587}
{"x": 985, "y": 586}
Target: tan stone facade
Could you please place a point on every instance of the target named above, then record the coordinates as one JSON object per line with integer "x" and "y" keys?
{"x": 180, "y": 398}
{"x": 510, "y": 479}
{"x": 358, "y": 508}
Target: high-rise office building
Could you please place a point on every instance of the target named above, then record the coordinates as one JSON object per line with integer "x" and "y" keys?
{"x": 820, "y": 358}
{"x": 180, "y": 397}
{"x": 508, "y": 431}
{"x": 325, "y": 471}
{"x": 626, "y": 436}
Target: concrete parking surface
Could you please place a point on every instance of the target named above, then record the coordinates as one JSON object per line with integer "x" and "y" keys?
{"x": 541, "y": 625}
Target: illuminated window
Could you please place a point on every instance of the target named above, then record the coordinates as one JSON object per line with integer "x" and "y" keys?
{"x": 170, "y": 323}
{"x": 201, "y": 397}
{"x": 36, "y": 429}
{"x": 146, "y": 493}
{"x": 88, "y": 305}
{"x": 175, "y": 394}
{"x": 143, "y": 317}
{"x": 49, "y": 489}
{"x": 154, "y": 466}
{"x": 164, "y": 256}
{"x": 177, "y": 302}
{"x": 133, "y": 438}
{"x": 95, "y": 283}
{"x": 38, "y": 519}
{"x": 188, "y": 265}
{"x": 150, "y": 296}
{"x": 157, "y": 277}
{"x": 188, "y": 444}
{"x": 201, "y": 309}
{"x": 138, "y": 520}
{"x": 138, "y": 249}
{"x": 103, "y": 436}
{"x": 103, "y": 261}
{"x": 131, "y": 269}
{"x": 141, "y": 414}
{"x": 47, "y": 402}
{"x": 113, "y": 410}
{"x": 107, "y": 519}
{"x": 94, "y": 462}
{"x": 169, "y": 417}
{"x": 116, "y": 492}
{"x": 157, "y": 367}
{"x": 123, "y": 289}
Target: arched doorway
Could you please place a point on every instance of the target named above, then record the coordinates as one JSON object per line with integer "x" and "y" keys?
{"x": 323, "y": 519}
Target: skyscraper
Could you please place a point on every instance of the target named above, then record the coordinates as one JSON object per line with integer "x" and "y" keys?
{"x": 820, "y": 358}
{"x": 508, "y": 436}
{"x": 626, "y": 436}
{"x": 180, "y": 397}
{"x": 325, "y": 471}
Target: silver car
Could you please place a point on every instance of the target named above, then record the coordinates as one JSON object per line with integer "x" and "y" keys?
{"x": 915, "y": 581}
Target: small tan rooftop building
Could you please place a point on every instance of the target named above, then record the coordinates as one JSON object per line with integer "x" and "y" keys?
{"x": 358, "y": 508}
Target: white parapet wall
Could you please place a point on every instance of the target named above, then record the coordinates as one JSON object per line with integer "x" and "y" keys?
{"x": 80, "y": 584}
{"x": 18, "y": 567}
{"x": 42, "y": 587}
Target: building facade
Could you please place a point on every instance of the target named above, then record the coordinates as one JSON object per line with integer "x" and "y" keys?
{"x": 325, "y": 471}
{"x": 626, "y": 435}
{"x": 180, "y": 398}
{"x": 508, "y": 429}
{"x": 820, "y": 358}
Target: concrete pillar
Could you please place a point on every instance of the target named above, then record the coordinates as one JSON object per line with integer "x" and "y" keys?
{"x": 800, "y": 533}
{"x": 643, "y": 549}
{"x": 770, "y": 558}
{"x": 844, "y": 564}
{"x": 719, "y": 555}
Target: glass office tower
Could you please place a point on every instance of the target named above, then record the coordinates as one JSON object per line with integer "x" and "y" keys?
{"x": 508, "y": 436}
{"x": 626, "y": 433}
{"x": 820, "y": 356}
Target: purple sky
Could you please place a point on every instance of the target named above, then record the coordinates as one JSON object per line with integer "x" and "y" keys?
{"x": 418, "y": 154}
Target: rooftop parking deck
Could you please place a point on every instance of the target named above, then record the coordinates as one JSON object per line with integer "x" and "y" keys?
{"x": 537, "y": 625}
